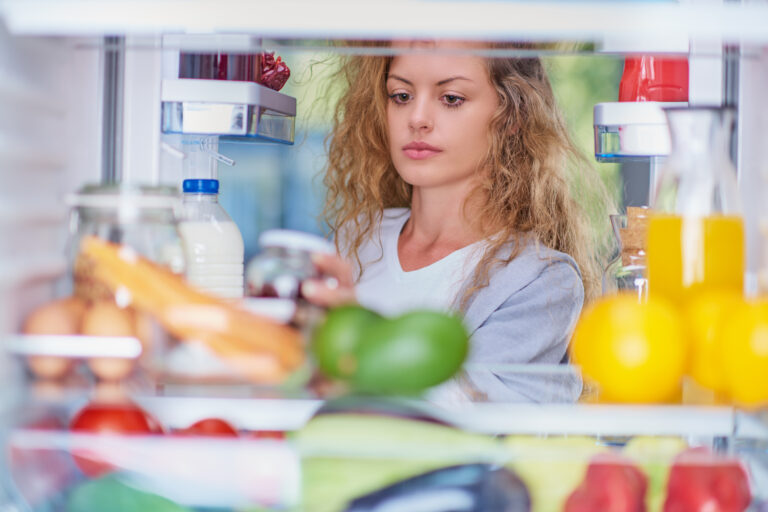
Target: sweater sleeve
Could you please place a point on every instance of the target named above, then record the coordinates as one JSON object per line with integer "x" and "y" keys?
{"x": 533, "y": 325}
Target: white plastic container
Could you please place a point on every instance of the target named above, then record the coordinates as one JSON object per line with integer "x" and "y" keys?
{"x": 213, "y": 245}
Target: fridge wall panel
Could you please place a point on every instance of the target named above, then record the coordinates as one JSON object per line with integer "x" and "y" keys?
{"x": 752, "y": 155}
{"x": 49, "y": 145}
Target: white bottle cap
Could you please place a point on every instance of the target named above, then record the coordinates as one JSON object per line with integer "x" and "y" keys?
{"x": 297, "y": 240}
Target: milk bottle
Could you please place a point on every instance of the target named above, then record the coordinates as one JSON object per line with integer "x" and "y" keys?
{"x": 213, "y": 245}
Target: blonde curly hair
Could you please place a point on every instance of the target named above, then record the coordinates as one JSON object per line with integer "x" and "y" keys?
{"x": 533, "y": 170}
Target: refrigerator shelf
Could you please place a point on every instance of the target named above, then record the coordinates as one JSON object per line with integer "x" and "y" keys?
{"x": 75, "y": 346}
{"x": 244, "y": 110}
{"x": 631, "y": 130}
{"x": 657, "y": 21}
{"x": 485, "y": 418}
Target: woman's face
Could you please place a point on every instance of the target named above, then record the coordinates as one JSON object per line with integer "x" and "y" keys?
{"x": 438, "y": 117}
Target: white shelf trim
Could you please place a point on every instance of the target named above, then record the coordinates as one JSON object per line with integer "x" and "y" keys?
{"x": 540, "y": 19}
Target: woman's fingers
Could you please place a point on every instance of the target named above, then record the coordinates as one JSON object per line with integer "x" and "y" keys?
{"x": 336, "y": 288}
{"x": 327, "y": 292}
{"x": 333, "y": 266}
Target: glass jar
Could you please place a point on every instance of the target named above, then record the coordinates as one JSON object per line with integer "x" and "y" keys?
{"x": 627, "y": 271}
{"x": 696, "y": 232}
{"x": 274, "y": 276}
{"x": 284, "y": 263}
{"x": 144, "y": 219}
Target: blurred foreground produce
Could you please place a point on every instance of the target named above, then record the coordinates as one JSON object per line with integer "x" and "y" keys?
{"x": 258, "y": 348}
{"x": 635, "y": 352}
{"x": 701, "y": 482}
{"x": 112, "y": 417}
{"x": 382, "y": 450}
{"x": 706, "y": 315}
{"x": 464, "y": 488}
{"x": 654, "y": 455}
{"x": 745, "y": 357}
{"x": 336, "y": 340}
{"x": 612, "y": 484}
{"x": 214, "y": 427}
{"x": 402, "y": 355}
{"x": 113, "y": 494}
{"x": 58, "y": 317}
{"x": 550, "y": 467}
{"x": 61, "y": 316}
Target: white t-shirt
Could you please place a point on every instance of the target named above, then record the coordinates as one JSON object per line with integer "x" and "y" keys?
{"x": 386, "y": 288}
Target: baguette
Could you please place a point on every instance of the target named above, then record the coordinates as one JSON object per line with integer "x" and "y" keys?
{"x": 188, "y": 313}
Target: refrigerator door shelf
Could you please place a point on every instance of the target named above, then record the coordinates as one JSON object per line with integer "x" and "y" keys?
{"x": 245, "y": 110}
{"x": 631, "y": 130}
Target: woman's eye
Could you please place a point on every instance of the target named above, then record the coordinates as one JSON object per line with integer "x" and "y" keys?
{"x": 400, "y": 97}
{"x": 452, "y": 100}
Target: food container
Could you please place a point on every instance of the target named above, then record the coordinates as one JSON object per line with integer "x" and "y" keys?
{"x": 284, "y": 263}
{"x": 275, "y": 275}
{"x": 220, "y": 66}
{"x": 89, "y": 332}
{"x": 143, "y": 218}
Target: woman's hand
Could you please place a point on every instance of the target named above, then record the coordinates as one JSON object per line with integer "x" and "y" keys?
{"x": 336, "y": 288}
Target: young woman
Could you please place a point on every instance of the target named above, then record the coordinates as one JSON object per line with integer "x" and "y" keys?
{"x": 448, "y": 189}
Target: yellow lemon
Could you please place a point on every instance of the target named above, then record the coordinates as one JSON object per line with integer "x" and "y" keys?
{"x": 635, "y": 352}
{"x": 745, "y": 355}
{"x": 705, "y": 316}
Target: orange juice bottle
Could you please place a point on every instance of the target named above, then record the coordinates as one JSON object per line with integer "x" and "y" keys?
{"x": 696, "y": 233}
{"x": 689, "y": 255}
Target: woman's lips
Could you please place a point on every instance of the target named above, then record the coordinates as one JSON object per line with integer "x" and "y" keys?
{"x": 420, "y": 150}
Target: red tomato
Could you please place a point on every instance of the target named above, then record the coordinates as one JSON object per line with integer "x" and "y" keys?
{"x": 268, "y": 434}
{"x": 209, "y": 427}
{"x": 110, "y": 418}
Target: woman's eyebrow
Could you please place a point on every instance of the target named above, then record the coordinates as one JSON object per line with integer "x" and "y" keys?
{"x": 441, "y": 82}
{"x": 395, "y": 77}
{"x": 451, "y": 79}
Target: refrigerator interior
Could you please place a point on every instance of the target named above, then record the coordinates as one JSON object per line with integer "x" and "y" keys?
{"x": 52, "y": 141}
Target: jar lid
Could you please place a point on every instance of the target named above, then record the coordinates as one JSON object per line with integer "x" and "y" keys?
{"x": 121, "y": 195}
{"x": 198, "y": 186}
{"x": 300, "y": 240}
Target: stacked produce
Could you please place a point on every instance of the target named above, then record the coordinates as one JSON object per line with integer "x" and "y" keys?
{"x": 644, "y": 352}
{"x": 76, "y": 316}
{"x": 392, "y": 356}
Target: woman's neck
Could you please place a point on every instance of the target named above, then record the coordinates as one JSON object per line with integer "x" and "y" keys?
{"x": 438, "y": 225}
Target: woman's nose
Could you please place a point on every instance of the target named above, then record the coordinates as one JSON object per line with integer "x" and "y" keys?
{"x": 421, "y": 118}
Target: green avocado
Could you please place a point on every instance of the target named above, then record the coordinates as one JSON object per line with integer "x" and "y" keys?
{"x": 336, "y": 339}
{"x": 410, "y": 353}
{"x": 110, "y": 493}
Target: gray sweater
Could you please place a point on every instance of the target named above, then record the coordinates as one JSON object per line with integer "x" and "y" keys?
{"x": 525, "y": 315}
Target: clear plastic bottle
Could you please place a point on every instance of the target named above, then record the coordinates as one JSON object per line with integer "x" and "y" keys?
{"x": 213, "y": 245}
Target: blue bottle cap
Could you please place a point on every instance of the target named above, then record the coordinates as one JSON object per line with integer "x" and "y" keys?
{"x": 201, "y": 186}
